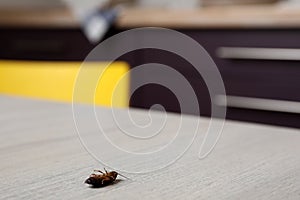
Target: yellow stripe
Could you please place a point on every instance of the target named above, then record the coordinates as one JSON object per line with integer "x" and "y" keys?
{"x": 55, "y": 81}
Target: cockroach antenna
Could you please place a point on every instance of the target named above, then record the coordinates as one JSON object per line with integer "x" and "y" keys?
{"x": 124, "y": 176}
{"x": 119, "y": 174}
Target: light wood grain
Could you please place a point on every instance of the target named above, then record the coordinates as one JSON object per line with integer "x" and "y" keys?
{"x": 59, "y": 17}
{"x": 254, "y": 16}
{"x": 257, "y": 16}
{"x": 42, "y": 158}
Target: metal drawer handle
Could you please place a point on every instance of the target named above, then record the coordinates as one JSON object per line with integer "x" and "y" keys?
{"x": 258, "y": 103}
{"x": 258, "y": 53}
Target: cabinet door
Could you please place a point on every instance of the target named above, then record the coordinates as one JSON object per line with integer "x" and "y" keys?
{"x": 43, "y": 44}
{"x": 260, "y": 69}
{"x": 151, "y": 94}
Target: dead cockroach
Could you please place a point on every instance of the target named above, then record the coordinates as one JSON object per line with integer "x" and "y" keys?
{"x": 103, "y": 179}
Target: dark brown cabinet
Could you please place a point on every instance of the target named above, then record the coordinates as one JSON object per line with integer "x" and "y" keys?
{"x": 43, "y": 44}
{"x": 260, "y": 68}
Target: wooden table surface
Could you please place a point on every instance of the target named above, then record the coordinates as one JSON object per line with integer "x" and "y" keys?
{"x": 42, "y": 158}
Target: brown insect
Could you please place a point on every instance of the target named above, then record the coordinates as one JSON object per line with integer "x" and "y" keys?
{"x": 103, "y": 179}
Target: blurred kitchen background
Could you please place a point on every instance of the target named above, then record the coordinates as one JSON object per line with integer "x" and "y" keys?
{"x": 255, "y": 44}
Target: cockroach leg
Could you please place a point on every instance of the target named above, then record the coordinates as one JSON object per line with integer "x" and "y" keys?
{"x": 97, "y": 170}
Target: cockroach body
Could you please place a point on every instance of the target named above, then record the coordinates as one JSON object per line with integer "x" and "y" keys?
{"x": 103, "y": 179}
